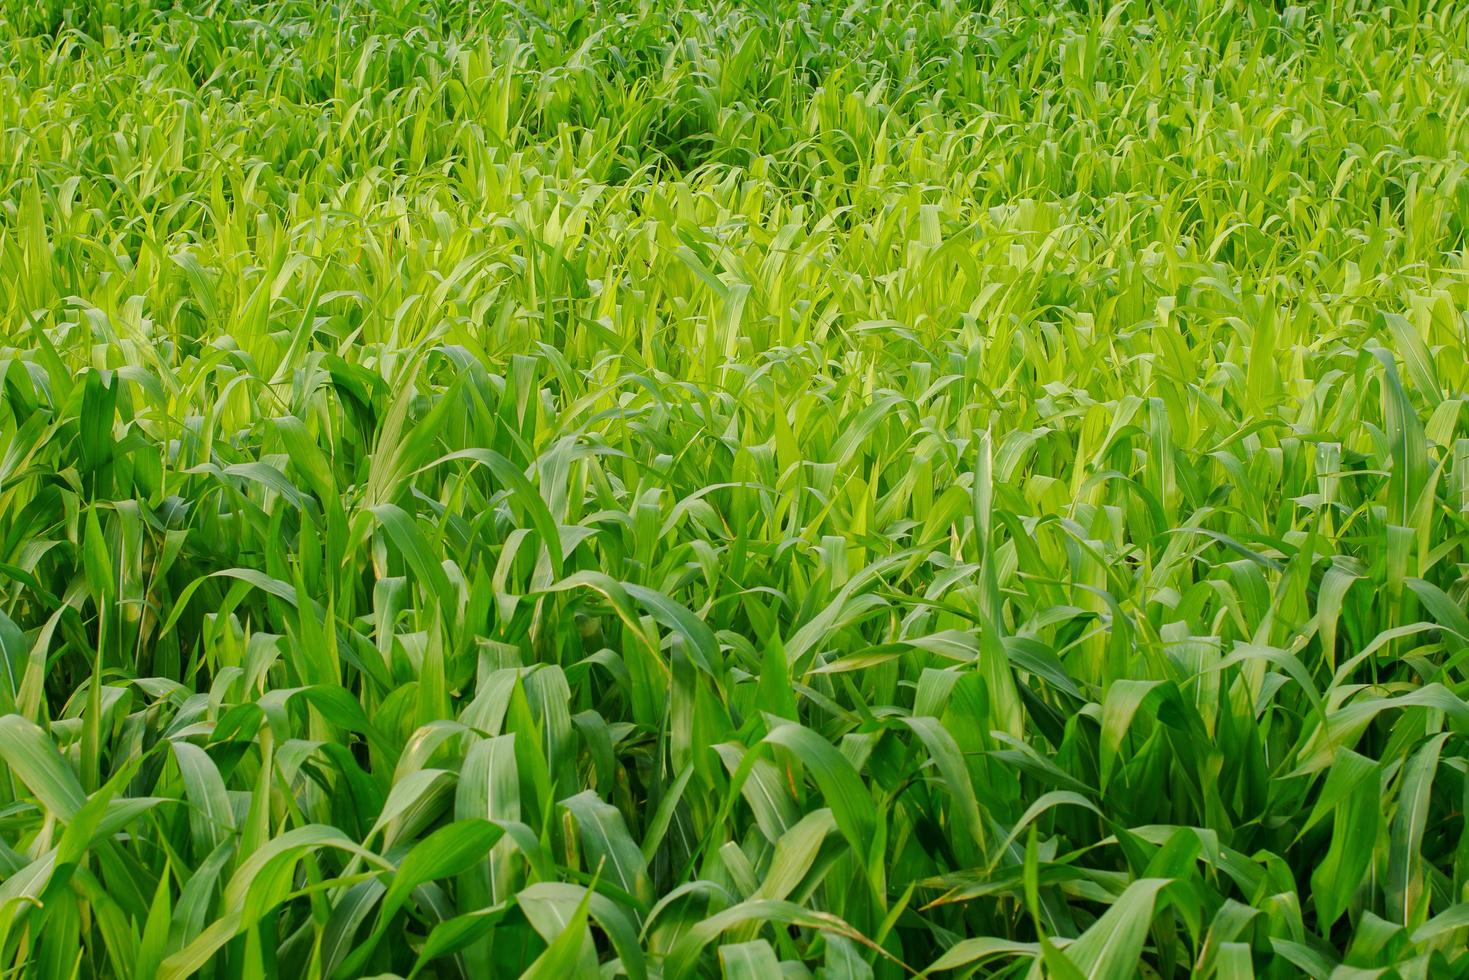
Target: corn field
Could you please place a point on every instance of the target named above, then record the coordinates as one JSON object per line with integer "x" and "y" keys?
{"x": 694, "y": 488}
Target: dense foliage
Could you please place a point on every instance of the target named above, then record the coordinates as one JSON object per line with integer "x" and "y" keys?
{"x": 653, "y": 488}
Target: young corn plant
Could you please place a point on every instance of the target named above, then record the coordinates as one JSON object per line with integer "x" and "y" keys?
{"x": 691, "y": 489}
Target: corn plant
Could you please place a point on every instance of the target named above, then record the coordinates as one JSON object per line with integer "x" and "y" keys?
{"x": 692, "y": 489}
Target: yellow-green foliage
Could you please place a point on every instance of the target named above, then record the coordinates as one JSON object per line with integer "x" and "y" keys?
{"x": 679, "y": 489}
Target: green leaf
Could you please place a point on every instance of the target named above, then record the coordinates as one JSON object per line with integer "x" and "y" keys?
{"x": 839, "y": 783}
{"x": 34, "y": 759}
{"x": 610, "y": 851}
{"x": 1113, "y": 944}
{"x": 749, "y": 961}
{"x": 562, "y": 957}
